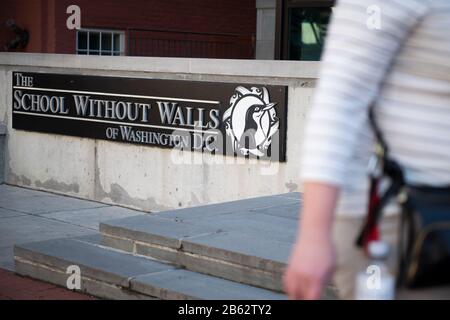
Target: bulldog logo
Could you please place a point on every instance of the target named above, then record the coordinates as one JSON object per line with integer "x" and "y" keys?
{"x": 251, "y": 120}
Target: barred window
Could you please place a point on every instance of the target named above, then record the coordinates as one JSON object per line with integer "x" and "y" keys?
{"x": 100, "y": 42}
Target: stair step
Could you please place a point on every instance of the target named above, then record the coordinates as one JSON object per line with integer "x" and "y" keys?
{"x": 113, "y": 274}
{"x": 246, "y": 241}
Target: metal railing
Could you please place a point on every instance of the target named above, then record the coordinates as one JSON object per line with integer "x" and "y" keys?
{"x": 186, "y": 44}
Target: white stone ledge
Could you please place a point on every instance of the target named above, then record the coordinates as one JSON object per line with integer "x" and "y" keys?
{"x": 266, "y": 4}
{"x": 225, "y": 67}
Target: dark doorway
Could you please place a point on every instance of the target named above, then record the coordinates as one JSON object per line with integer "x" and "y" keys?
{"x": 301, "y": 28}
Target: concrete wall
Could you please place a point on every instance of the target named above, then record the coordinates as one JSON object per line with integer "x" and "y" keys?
{"x": 146, "y": 177}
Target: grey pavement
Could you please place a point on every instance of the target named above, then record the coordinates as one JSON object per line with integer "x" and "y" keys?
{"x": 258, "y": 229}
{"x": 96, "y": 263}
{"x": 247, "y": 241}
{"x": 52, "y": 230}
{"x": 29, "y": 215}
{"x": 266, "y": 204}
{"x": 121, "y": 273}
{"x": 185, "y": 284}
{"x": 161, "y": 231}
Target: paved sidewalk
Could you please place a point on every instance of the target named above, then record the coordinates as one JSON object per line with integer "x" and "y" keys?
{"x": 28, "y": 216}
{"x": 14, "y": 287}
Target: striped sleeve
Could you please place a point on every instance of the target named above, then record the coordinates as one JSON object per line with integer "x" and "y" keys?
{"x": 355, "y": 61}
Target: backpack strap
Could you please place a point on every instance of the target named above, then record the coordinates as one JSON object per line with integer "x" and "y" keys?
{"x": 377, "y": 202}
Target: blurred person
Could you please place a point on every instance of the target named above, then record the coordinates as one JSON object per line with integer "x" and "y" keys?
{"x": 400, "y": 67}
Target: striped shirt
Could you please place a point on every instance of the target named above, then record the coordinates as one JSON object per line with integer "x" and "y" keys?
{"x": 403, "y": 70}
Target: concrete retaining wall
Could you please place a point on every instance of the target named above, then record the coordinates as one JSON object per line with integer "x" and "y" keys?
{"x": 143, "y": 177}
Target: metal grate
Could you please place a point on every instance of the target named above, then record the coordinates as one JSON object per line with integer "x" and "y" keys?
{"x": 184, "y": 44}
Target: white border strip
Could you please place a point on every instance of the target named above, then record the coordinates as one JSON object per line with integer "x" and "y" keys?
{"x": 115, "y": 122}
{"x": 117, "y": 95}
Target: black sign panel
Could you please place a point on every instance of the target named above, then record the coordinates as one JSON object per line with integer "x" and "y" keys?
{"x": 220, "y": 118}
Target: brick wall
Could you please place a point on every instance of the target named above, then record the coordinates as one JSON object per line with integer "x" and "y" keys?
{"x": 27, "y": 14}
{"x": 231, "y": 24}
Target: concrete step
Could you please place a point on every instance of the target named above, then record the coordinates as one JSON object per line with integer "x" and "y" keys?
{"x": 113, "y": 274}
{"x": 246, "y": 241}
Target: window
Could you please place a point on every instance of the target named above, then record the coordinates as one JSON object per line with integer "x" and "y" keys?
{"x": 307, "y": 30}
{"x": 100, "y": 42}
{"x": 301, "y": 28}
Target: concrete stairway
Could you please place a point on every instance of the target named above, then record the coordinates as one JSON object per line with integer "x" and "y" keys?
{"x": 245, "y": 241}
{"x": 113, "y": 274}
{"x": 233, "y": 250}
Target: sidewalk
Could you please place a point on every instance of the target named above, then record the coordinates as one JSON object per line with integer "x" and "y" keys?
{"x": 30, "y": 216}
{"x": 14, "y": 287}
{"x": 27, "y": 216}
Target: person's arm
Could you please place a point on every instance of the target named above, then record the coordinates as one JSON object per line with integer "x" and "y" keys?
{"x": 314, "y": 245}
{"x": 354, "y": 64}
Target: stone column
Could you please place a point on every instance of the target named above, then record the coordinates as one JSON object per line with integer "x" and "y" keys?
{"x": 2, "y": 152}
{"x": 265, "y": 29}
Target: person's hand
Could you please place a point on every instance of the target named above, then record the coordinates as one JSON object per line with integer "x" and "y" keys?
{"x": 310, "y": 267}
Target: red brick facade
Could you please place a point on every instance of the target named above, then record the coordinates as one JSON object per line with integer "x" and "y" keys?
{"x": 196, "y": 28}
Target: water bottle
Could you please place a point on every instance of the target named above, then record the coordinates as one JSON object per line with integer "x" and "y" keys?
{"x": 376, "y": 282}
